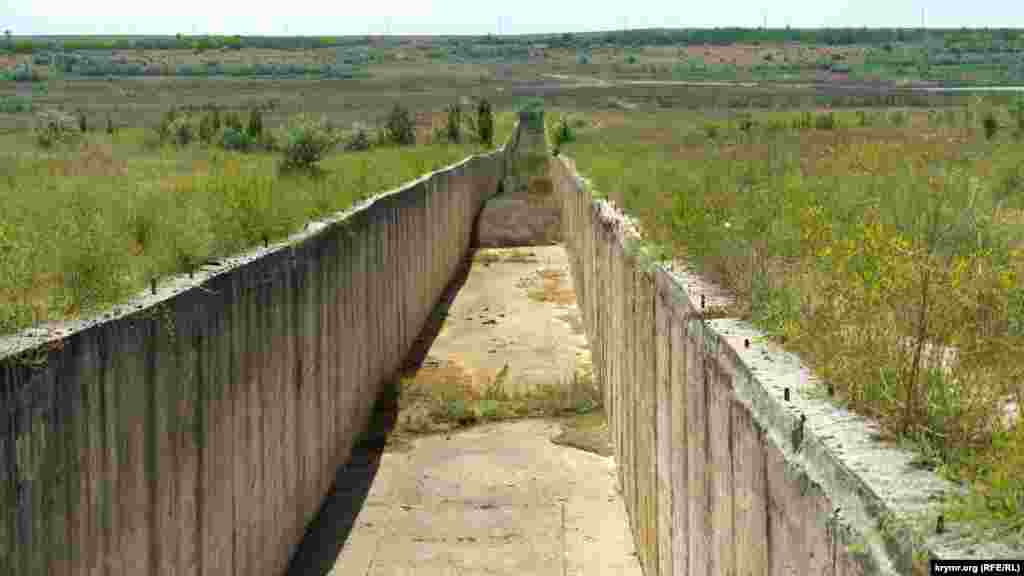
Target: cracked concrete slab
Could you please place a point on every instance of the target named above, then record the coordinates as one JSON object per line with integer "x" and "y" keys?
{"x": 497, "y": 499}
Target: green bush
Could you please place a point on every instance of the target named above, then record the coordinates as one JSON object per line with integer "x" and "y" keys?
{"x": 305, "y": 143}
{"x": 990, "y": 124}
{"x": 562, "y": 133}
{"x": 399, "y": 128}
{"x": 826, "y": 121}
{"x": 233, "y": 120}
{"x": 359, "y": 141}
{"x": 255, "y": 127}
{"x": 531, "y": 115}
{"x": 54, "y": 127}
{"x": 14, "y": 104}
{"x": 182, "y": 130}
{"x": 485, "y": 123}
{"x": 25, "y": 73}
{"x": 453, "y": 127}
{"x": 235, "y": 139}
{"x": 83, "y": 122}
{"x": 209, "y": 126}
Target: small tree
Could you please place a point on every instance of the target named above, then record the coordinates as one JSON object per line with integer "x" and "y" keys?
{"x": 83, "y": 123}
{"x": 399, "y": 128}
{"x": 305, "y": 143}
{"x": 990, "y": 124}
{"x": 111, "y": 129}
{"x": 485, "y": 123}
{"x": 453, "y": 130}
{"x": 255, "y": 128}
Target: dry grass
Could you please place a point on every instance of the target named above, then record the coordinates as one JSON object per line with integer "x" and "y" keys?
{"x": 441, "y": 396}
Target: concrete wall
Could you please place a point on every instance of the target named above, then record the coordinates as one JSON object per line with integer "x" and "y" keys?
{"x": 196, "y": 430}
{"x": 721, "y": 474}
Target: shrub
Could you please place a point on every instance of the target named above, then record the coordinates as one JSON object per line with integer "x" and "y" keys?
{"x": 14, "y": 104}
{"x": 359, "y": 141}
{"x": 209, "y": 127}
{"x": 54, "y": 127}
{"x": 453, "y": 128}
{"x": 182, "y": 130}
{"x": 305, "y": 143}
{"x": 711, "y": 131}
{"x": 163, "y": 129}
{"x": 255, "y": 127}
{"x": 25, "y": 73}
{"x": 111, "y": 129}
{"x": 235, "y": 139}
{"x": 531, "y": 114}
{"x": 233, "y": 120}
{"x": 83, "y": 123}
{"x": 826, "y": 121}
{"x": 563, "y": 133}
{"x": 990, "y": 124}
{"x": 399, "y": 128}
{"x": 485, "y": 123}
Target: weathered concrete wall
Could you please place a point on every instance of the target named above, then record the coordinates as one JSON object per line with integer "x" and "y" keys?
{"x": 722, "y": 471}
{"x": 196, "y": 430}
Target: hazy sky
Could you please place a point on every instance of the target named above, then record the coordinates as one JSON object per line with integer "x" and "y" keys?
{"x": 477, "y": 17}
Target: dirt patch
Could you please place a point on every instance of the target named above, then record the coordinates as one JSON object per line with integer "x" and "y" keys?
{"x": 549, "y": 285}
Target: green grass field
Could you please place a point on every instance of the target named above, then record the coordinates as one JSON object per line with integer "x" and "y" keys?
{"x": 88, "y": 224}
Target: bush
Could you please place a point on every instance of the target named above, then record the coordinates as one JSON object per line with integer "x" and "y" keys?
{"x": 305, "y": 143}
{"x": 233, "y": 120}
{"x": 562, "y": 134}
{"x": 531, "y": 115}
{"x": 485, "y": 123}
{"x": 359, "y": 141}
{"x": 54, "y": 127}
{"x": 83, "y": 123}
{"x": 825, "y": 121}
{"x": 25, "y": 73}
{"x": 14, "y": 104}
{"x": 182, "y": 131}
{"x": 111, "y": 129}
{"x": 990, "y": 124}
{"x": 235, "y": 139}
{"x": 399, "y": 128}
{"x": 453, "y": 128}
{"x": 209, "y": 126}
{"x": 255, "y": 127}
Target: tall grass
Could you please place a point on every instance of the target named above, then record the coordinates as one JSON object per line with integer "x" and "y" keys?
{"x": 86, "y": 225}
{"x": 887, "y": 253}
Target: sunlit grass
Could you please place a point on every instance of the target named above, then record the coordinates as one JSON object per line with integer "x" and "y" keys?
{"x": 87, "y": 225}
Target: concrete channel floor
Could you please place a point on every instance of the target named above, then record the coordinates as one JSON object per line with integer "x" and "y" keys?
{"x": 498, "y": 498}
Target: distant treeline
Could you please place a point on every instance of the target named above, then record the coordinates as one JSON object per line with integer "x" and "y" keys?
{"x": 964, "y": 39}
